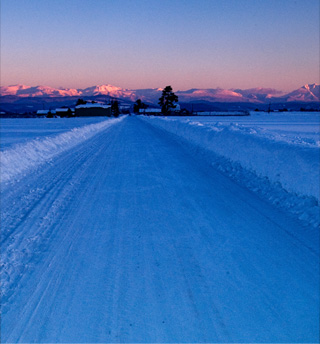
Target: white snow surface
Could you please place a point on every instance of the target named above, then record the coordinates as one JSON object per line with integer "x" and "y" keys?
{"x": 281, "y": 168}
{"x": 291, "y": 127}
{"x": 21, "y": 130}
{"x": 132, "y": 236}
{"x": 292, "y": 162}
{"x": 22, "y": 157}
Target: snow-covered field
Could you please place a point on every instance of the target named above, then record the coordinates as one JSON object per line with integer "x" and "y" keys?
{"x": 160, "y": 229}
{"x": 292, "y": 127}
{"x": 276, "y": 155}
{"x": 37, "y": 143}
{"x": 20, "y": 130}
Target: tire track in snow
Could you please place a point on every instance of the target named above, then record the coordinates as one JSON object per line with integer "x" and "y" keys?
{"x": 155, "y": 245}
{"x": 23, "y": 157}
{"x": 30, "y": 233}
{"x": 81, "y": 171}
{"x": 185, "y": 258}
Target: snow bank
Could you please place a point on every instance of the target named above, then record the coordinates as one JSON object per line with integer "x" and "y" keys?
{"x": 24, "y": 156}
{"x": 261, "y": 163}
{"x": 300, "y": 128}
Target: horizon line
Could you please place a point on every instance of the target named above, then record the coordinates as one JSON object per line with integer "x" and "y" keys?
{"x": 154, "y": 88}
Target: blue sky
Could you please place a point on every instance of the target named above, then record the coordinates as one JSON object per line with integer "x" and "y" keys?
{"x": 147, "y": 43}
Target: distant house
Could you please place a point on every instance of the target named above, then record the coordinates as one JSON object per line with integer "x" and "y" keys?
{"x": 177, "y": 108}
{"x": 150, "y": 111}
{"x": 92, "y": 109}
{"x": 157, "y": 111}
{"x": 46, "y": 112}
{"x": 64, "y": 112}
{"x": 125, "y": 108}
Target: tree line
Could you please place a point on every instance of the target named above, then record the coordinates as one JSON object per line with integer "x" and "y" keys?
{"x": 166, "y": 102}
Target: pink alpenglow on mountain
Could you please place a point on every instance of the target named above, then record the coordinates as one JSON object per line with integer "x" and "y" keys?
{"x": 38, "y": 91}
{"x": 306, "y": 93}
{"x": 217, "y": 94}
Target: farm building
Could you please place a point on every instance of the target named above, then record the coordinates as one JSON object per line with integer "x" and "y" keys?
{"x": 92, "y": 109}
{"x": 64, "y": 112}
{"x": 150, "y": 111}
{"x": 157, "y": 111}
{"x": 177, "y": 108}
{"x": 46, "y": 112}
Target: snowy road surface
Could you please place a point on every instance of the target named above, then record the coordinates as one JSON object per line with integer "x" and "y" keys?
{"x": 129, "y": 238}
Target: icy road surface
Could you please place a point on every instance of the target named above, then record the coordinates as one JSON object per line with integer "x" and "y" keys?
{"x": 127, "y": 237}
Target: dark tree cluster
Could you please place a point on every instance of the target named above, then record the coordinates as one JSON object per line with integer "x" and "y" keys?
{"x": 167, "y": 100}
{"x": 67, "y": 114}
{"x": 139, "y": 105}
{"x": 115, "y": 111}
{"x": 81, "y": 102}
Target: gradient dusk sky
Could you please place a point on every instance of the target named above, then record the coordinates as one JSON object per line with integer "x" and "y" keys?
{"x": 153, "y": 43}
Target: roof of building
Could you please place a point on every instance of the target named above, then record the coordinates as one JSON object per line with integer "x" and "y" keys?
{"x": 45, "y": 112}
{"x": 150, "y": 110}
{"x": 62, "y": 110}
{"x": 92, "y": 105}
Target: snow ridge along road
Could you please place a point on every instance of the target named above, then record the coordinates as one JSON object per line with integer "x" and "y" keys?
{"x": 130, "y": 238}
{"x": 283, "y": 173}
{"x": 24, "y": 156}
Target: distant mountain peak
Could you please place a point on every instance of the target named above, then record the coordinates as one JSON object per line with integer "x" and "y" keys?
{"x": 308, "y": 92}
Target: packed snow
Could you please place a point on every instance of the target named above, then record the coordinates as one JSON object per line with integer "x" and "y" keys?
{"x": 22, "y": 157}
{"x": 145, "y": 229}
{"x": 21, "y": 130}
{"x": 284, "y": 168}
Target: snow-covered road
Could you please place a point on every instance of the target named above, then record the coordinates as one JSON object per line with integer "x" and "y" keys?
{"x": 130, "y": 238}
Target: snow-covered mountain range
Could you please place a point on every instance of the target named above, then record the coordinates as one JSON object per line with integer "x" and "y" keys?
{"x": 306, "y": 93}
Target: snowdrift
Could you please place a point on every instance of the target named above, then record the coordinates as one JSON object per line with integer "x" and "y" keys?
{"x": 261, "y": 163}
{"x": 24, "y": 156}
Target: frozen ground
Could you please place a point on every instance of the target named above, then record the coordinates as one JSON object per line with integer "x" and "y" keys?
{"x": 131, "y": 235}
